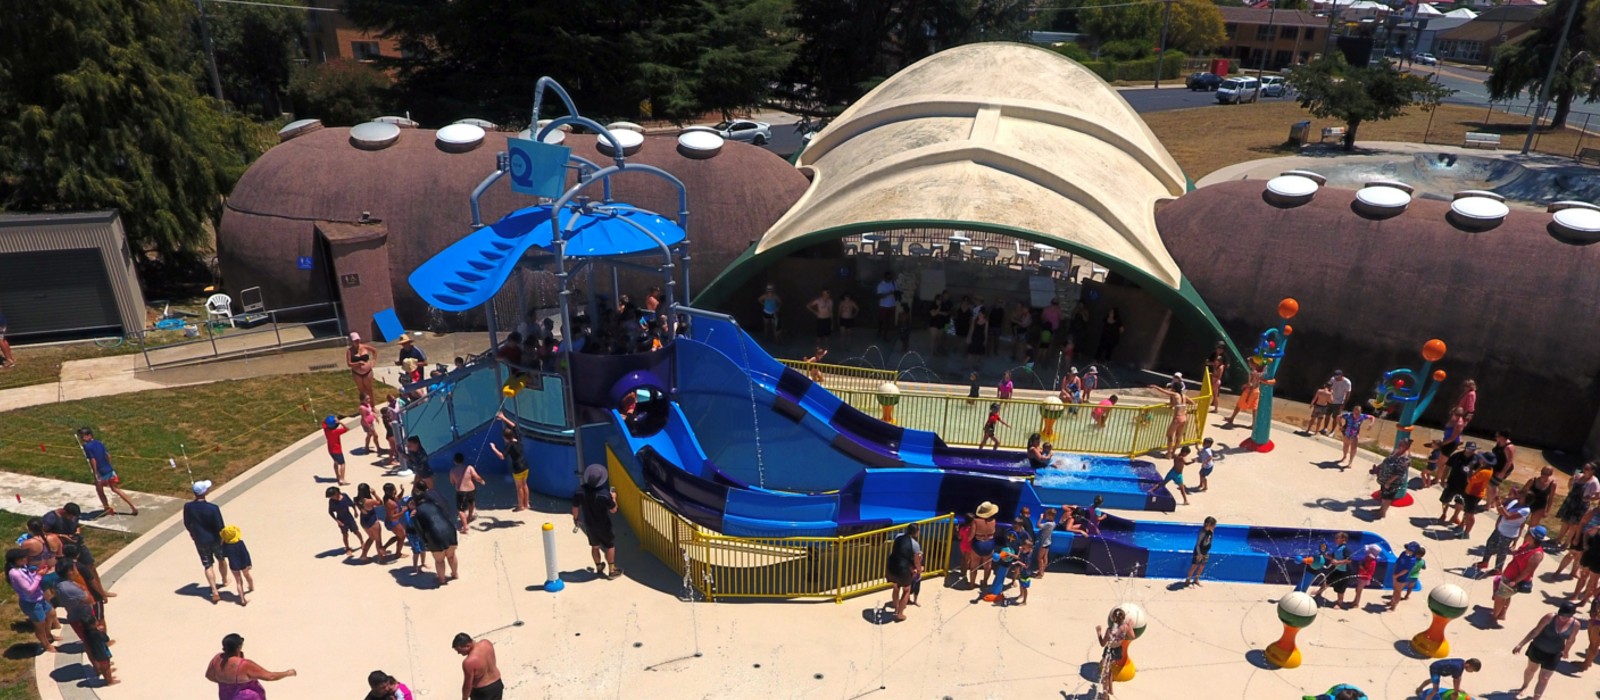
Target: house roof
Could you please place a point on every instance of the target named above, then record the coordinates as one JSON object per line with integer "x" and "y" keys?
{"x": 1513, "y": 21}
{"x": 1280, "y": 18}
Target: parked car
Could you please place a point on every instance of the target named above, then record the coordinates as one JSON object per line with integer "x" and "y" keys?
{"x": 1274, "y": 86}
{"x": 1238, "y": 90}
{"x": 1425, "y": 59}
{"x": 1203, "y": 81}
{"x": 758, "y": 133}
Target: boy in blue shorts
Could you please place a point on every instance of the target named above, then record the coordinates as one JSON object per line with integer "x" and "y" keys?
{"x": 1022, "y": 569}
{"x": 1452, "y": 668}
{"x": 1179, "y": 461}
{"x": 332, "y": 431}
{"x": 1206, "y": 459}
{"x": 1407, "y": 568}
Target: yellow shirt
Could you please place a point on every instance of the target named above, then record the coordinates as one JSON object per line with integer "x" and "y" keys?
{"x": 1478, "y": 483}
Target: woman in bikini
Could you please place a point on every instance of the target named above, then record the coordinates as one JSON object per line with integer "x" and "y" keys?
{"x": 238, "y": 678}
{"x": 1180, "y": 405}
{"x": 361, "y": 358}
{"x": 370, "y": 508}
{"x": 983, "y": 528}
{"x": 391, "y": 520}
{"x": 1217, "y": 365}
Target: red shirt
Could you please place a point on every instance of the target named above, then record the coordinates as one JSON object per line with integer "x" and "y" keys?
{"x": 993, "y": 418}
{"x": 332, "y": 434}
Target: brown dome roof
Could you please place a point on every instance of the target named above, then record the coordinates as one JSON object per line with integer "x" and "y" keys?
{"x": 1519, "y": 309}
{"x": 421, "y": 194}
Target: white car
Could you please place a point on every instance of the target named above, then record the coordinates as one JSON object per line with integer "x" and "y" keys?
{"x": 1238, "y": 90}
{"x": 1274, "y": 86}
{"x": 1425, "y": 59}
{"x": 758, "y": 133}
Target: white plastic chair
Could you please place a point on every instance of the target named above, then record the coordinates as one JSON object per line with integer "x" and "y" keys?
{"x": 219, "y": 307}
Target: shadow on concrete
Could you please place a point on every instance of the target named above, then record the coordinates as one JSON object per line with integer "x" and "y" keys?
{"x": 1089, "y": 671}
{"x": 197, "y": 590}
{"x": 74, "y": 672}
{"x": 880, "y": 615}
{"x": 485, "y": 523}
{"x": 1403, "y": 648}
{"x": 410, "y": 577}
{"x": 1258, "y": 659}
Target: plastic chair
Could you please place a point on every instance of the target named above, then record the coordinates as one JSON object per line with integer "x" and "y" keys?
{"x": 219, "y": 307}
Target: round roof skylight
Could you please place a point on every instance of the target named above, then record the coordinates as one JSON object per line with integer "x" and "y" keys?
{"x": 298, "y": 128}
{"x": 699, "y": 143}
{"x": 459, "y": 138}
{"x": 630, "y": 141}
{"x": 374, "y": 136}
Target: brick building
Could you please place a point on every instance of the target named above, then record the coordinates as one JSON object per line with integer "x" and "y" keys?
{"x": 1279, "y": 38}
{"x": 332, "y": 35}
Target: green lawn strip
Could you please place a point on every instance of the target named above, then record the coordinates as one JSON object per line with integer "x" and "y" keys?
{"x": 42, "y": 364}
{"x": 226, "y": 428}
{"x": 16, "y": 637}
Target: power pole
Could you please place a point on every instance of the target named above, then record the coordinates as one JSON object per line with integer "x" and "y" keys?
{"x": 211, "y": 51}
{"x": 1550, "y": 75}
{"x": 1272, "y": 38}
{"x": 1161, "y": 51}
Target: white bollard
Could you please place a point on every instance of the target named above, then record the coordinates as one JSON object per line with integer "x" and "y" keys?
{"x": 552, "y": 577}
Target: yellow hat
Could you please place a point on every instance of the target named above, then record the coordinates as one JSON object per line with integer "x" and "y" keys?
{"x": 231, "y": 534}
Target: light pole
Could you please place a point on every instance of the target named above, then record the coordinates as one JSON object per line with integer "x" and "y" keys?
{"x": 211, "y": 51}
{"x": 1550, "y": 75}
{"x": 1161, "y": 51}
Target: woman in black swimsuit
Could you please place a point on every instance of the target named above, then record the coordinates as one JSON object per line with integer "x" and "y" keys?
{"x": 1038, "y": 457}
{"x": 1537, "y": 495}
{"x": 361, "y": 357}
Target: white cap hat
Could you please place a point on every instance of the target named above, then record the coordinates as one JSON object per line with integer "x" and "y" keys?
{"x": 201, "y": 487}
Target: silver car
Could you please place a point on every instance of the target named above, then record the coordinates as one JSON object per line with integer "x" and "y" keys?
{"x": 758, "y": 133}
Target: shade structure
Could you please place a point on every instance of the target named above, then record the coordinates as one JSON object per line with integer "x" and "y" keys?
{"x": 469, "y": 272}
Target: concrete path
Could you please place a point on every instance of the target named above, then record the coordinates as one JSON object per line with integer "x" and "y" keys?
{"x": 33, "y": 496}
{"x": 334, "y": 620}
{"x": 125, "y": 374}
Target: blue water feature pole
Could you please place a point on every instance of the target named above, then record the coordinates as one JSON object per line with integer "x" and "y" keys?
{"x": 1410, "y": 391}
{"x": 1269, "y": 353}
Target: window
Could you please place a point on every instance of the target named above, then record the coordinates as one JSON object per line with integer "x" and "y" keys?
{"x": 1231, "y": 28}
{"x": 1311, "y": 34}
{"x": 364, "y": 50}
{"x": 1289, "y": 33}
{"x": 1263, "y": 32}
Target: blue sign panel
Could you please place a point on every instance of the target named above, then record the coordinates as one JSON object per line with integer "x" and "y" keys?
{"x": 538, "y": 168}
{"x": 303, "y": 262}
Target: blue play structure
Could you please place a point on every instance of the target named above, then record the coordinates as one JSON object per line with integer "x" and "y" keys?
{"x": 731, "y": 439}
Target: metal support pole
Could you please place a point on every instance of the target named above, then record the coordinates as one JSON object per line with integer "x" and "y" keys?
{"x": 1266, "y": 53}
{"x": 1161, "y": 52}
{"x": 1550, "y": 75}
{"x": 211, "y": 51}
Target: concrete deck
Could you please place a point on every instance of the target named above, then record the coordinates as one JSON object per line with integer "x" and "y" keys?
{"x": 637, "y": 637}
{"x": 33, "y": 496}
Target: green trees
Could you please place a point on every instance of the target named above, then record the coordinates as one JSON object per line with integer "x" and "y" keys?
{"x": 849, "y": 46}
{"x": 672, "y": 59}
{"x": 1332, "y": 89}
{"x": 1196, "y": 27}
{"x": 1522, "y": 66}
{"x": 341, "y": 92}
{"x": 99, "y": 109}
{"x": 257, "y": 48}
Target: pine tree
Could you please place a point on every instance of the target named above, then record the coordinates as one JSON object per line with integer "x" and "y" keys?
{"x": 99, "y": 109}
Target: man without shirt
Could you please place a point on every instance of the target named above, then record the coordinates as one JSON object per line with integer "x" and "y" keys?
{"x": 480, "y": 677}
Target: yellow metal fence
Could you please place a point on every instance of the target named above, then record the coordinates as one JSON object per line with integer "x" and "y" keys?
{"x": 842, "y": 376}
{"x": 959, "y": 420}
{"x": 724, "y": 566}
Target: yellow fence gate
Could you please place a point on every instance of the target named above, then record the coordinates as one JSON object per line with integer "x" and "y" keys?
{"x": 724, "y": 566}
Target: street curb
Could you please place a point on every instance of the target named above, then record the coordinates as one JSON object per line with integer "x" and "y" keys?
{"x": 140, "y": 549}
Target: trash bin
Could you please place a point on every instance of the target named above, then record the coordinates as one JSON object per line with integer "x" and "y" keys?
{"x": 1299, "y": 133}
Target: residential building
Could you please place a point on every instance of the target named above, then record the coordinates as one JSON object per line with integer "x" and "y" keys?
{"x": 1275, "y": 38}
{"x": 1475, "y": 41}
{"x": 332, "y": 35}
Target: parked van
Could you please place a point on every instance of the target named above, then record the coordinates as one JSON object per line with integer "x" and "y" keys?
{"x": 1239, "y": 90}
{"x": 1274, "y": 86}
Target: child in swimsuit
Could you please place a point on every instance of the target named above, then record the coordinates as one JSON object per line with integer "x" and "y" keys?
{"x": 989, "y": 426}
{"x": 340, "y": 508}
{"x": 238, "y": 557}
{"x": 1176, "y": 474}
{"x": 391, "y": 518}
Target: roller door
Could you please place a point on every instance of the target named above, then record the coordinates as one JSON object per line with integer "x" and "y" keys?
{"x": 56, "y": 291}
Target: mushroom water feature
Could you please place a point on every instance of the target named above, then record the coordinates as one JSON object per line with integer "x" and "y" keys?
{"x": 1296, "y": 611}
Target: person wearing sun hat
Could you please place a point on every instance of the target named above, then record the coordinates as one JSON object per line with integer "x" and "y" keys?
{"x": 238, "y": 557}
{"x": 204, "y": 522}
{"x": 1517, "y": 577}
{"x": 983, "y": 532}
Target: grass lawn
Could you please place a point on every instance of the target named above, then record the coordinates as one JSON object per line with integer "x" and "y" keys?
{"x": 16, "y": 665}
{"x": 1208, "y": 138}
{"x": 42, "y": 364}
{"x": 227, "y": 427}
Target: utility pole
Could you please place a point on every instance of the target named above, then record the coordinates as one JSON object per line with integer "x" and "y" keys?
{"x": 1550, "y": 75}
{"x": 211, "y": 51}
{"x": 1266, "y": 53}
{"x": 1161, "y": 51}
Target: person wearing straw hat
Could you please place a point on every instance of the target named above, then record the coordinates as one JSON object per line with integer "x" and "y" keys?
{"x": 983, "y": 533}
{"x": 105, "y": 475}
{"x": 409, "y": 351}
{"x": 204, "y": 522}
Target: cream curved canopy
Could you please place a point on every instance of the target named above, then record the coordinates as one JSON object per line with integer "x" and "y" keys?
{"x": 999, "y": 137}
{"x": 1007, "y": 134}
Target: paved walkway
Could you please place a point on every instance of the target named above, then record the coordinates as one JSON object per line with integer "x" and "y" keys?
{"x": 33, "y": 496}
{"x": 333, "y": 620}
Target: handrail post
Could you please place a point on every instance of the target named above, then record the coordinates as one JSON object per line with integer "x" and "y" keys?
{"x": 838, "y": 570}
{"x": 1138, "y": 424}
{"x": 275, "y": 333}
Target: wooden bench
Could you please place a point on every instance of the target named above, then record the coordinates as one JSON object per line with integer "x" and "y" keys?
{"x": 1477, "y": 139}
{"x": 1589, "y": 155}
{"x": 1332, "y": 132}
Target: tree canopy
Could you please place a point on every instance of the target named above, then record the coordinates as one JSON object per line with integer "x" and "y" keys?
{"x": 849, "y": 46}
{"x": 1195, "y": 27}
{"x": 1330, "y": 88}
{"x": 257, "y": 48}
{"x": 99, "y": 110}
{"x": 341, "y": 92}
{"x": 1522, "y": 66}
{"x": 671, "y": 59}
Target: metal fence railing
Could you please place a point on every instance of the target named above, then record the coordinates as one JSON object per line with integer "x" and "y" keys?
{"x": 274, "y": 329}
{"x": 842, "y": 376}
{"x": 724, "y": 566}
{"x": 1127, "y": 429}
